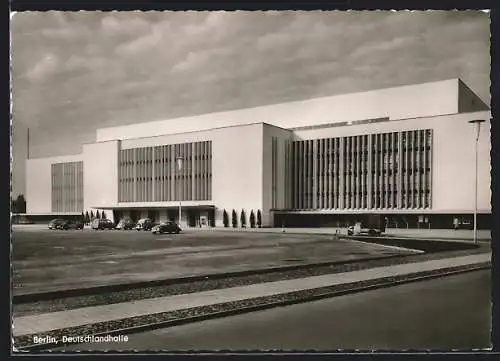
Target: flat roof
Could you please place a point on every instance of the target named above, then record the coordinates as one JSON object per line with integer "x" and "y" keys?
{"x": 401, "y": 102}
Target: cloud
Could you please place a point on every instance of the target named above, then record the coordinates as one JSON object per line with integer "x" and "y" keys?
{"x": 197, "y": 60}
{"x": 125, "y": 25}
{"x": 45, "y": 67}
{"x": 121, "y": 68}
{"x": 76, "y": 62}
{"x": 392, "y": 46}
{"x": 141, "y": 44}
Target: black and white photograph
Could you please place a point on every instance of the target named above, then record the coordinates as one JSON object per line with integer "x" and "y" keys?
{"x": 203, "y": 181}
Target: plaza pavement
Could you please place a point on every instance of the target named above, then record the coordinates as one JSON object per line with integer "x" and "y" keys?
{"x": 40, "y": 323}
{"x": 60, "y": 260}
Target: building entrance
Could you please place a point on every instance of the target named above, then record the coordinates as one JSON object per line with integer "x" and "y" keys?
{"x": 200, "y": 218}
{"x": 154, "y": 215}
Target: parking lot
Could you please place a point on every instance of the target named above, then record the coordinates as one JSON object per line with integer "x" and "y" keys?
{"x": 45, "y": 260}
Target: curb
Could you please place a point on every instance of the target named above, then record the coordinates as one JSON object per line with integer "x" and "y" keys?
{"x": 79, "y": 292}
{"x": 378, "y": 284}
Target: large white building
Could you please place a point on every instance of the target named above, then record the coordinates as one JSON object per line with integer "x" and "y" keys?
{"x": 405, "y": 152}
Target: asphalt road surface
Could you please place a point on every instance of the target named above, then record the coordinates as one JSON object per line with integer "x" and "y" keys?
{"x": 45, "y": 260}
{"x": 452, "y": 312}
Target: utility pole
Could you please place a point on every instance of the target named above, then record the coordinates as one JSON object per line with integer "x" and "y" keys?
{"x": 179, "y": 168}
{"x": 477, "y": 125}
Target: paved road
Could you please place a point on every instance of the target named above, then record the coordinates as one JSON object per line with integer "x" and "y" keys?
{"x": 442, "y": 314}
{"x": 461, "y": 234}
{"x": 46, "y": 260}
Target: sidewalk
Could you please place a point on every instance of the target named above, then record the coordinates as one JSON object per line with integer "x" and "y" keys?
{"x": 396, "y": 232}
{"x": 461, "y": 234}
{"x": 57, "y": 320}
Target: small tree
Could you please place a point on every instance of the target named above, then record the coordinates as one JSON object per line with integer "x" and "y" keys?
{"x": 259, "y": 219}
{"x": 103, "y": 215}
{"x": 20, "y": 204}
{"x": 252, "y": 219}
{"x": 87, "y": 217}
{"x": 91, "y": 215}
{"x": 235, "y": 219}
{"x": 243, "y": 219}
{"x": 97, "y": 214}
{"x": 225, "y": 219}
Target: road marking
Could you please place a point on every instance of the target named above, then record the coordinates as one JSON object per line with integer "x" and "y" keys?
{"x": 389, "y": 246}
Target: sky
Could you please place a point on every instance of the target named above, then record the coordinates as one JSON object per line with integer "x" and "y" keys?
{"x": 73, "y": 73}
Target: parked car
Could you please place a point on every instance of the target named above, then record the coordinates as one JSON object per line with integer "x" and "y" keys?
{"x": 351, "y": 231}
{"x": 102, "y": 224}
{"x": 70, "y": 224}
{"x": 125, "y": 223}
{"x": 53, "y": 224}
{"x": 145, "y": 224}
{"x": 166, "y": 227}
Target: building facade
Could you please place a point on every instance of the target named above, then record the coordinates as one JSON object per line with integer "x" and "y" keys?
{"x": 406, "y": 153}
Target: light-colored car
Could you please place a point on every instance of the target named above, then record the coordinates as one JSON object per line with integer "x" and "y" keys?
{"x": 125, "y": 223}
{"x": 144, "y": 224}
{"x": 352, "y": 231}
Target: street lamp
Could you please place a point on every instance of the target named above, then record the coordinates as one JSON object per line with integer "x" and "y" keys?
{"x": 179, "y": 168}
{"x": 477, "y": 125}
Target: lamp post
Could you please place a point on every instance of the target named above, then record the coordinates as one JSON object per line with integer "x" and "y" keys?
{"x": 477, "y": 125}
{"x": 179, "y": 168}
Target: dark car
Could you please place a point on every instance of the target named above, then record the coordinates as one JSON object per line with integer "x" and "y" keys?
{"x": 70, "y": 224}
{"x": 102, "y": 224}
{"x": 145, "y": 224}
{"x": 54, "y": 224}
{"x": 125, "y": 223}
{"x": 166, "y": 227}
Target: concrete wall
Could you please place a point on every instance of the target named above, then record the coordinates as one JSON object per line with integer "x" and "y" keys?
{"x": 241, "y": 167}
{"x": 167, "y": 139}
{"x": 236, "y": 164}
{"x": 39, "y": 182}
{"x": 453, "y": 156}
{"x": 468, "y": 101}
{"x": 100, "y": 175}
{"x": 237, "y": 170}
{"x": 283, "y": 136}
{"x": 429, "y": 99}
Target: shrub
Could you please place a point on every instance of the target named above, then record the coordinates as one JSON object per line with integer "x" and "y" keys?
{"x": 243, "y": 219}
{"x": 225, "y": 219}
{"x": 19, "y": 205}
{"x": 259, "y": 219}
{"x": 235, "y": 220}
{"x": 252, "y": 219}
{"x": 103, "y": 215}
